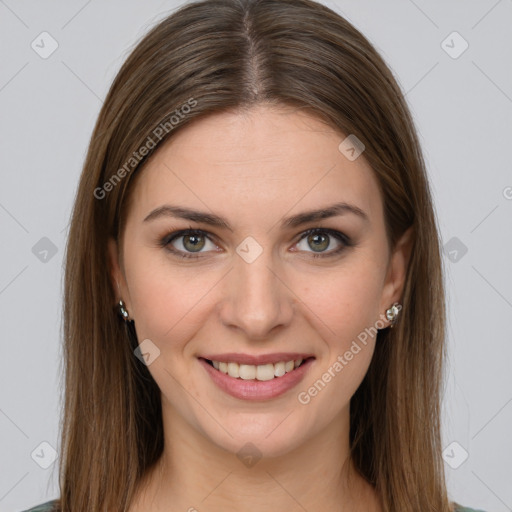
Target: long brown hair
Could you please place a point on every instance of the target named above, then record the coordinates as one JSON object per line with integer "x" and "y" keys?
{"x": 218, "y": 55}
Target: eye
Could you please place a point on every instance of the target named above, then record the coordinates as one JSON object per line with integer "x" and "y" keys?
{"x": 187, "y": 242}
{"x": 320, "y": 239}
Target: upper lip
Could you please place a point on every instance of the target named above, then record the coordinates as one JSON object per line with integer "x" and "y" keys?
{"x": 257, "y": 360}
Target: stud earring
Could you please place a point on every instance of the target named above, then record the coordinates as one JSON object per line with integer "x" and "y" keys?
{"x": 123, "y": 311}
{"x": 393, "y": 312}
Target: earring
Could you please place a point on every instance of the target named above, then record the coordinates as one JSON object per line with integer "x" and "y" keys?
{"x": 123, "y": 312}
{"x": 392, "y": 313}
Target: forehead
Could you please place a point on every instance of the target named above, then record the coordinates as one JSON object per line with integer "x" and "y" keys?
{"x": 266, "y": 161}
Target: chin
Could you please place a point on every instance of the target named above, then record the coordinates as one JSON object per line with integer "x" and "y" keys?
{"x": 268, "y": 438}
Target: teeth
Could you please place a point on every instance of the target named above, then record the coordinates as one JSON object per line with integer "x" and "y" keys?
{"x": 279, "y": 369}
{"x": 259, "y": 372}
{"x": 246, "y": 371}
{"x": 234, "y": 369}
{"x": 265, "y": 372}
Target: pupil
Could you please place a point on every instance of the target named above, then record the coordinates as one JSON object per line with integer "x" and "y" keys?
{"x": 315, "y": 237}
{"x": 194, "y": 245}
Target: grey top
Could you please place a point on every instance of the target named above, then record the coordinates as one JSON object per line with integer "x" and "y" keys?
{"x": 47, "y": 507}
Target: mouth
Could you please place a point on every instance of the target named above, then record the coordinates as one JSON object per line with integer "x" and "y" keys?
{"x": 257, "y": 382}
{"x": 260, "y": 372}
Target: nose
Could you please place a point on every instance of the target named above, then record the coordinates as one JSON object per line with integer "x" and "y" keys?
{"x": 257, "y": 301}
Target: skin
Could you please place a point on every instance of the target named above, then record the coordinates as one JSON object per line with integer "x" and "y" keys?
{"x": 254, "y": 169}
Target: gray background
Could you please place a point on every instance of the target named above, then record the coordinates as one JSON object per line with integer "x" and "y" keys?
{"x": 463, "y": 110}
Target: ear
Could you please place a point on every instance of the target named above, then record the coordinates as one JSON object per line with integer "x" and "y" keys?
{"x": 397, "y": 270}
{"x": 116, "y": 274}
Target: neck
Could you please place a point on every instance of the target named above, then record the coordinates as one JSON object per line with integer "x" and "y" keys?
{"x": 194, "y": 474}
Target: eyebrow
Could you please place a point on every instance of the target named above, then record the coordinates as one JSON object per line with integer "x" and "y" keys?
{"x": 288, "y": 222}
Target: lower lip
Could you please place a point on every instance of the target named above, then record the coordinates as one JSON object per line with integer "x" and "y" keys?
{"x": 257, "y": 389}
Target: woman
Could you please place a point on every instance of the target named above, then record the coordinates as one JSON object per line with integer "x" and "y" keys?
{"x": 255, "y": 204}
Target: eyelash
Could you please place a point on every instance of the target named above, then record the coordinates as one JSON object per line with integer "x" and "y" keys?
{"x": 165, "y": 242}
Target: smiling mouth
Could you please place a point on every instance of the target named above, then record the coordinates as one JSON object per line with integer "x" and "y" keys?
{"x": 263, "y": 372}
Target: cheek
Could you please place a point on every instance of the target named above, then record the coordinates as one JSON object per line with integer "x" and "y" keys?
{"x": 345, "y": 300}
{"x": 166, "y": 298}
{"x": 345, "y": 310}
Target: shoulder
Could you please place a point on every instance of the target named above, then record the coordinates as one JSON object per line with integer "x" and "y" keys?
{"x": 48, "y": 506}
{"x": 461, "y": 508}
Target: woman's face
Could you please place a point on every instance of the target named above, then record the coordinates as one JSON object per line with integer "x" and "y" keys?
{"x": 251, "y": 283}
